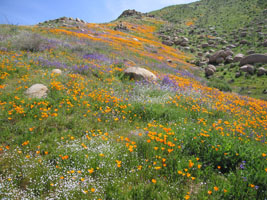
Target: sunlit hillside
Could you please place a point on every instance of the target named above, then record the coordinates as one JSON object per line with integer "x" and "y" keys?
{"x": 92, "y": 132}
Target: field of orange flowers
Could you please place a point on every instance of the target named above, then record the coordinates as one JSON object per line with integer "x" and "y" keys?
{"x": 99, "y": 136}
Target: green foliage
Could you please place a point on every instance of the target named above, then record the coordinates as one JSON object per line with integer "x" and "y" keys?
{"x": 219, "y": 84}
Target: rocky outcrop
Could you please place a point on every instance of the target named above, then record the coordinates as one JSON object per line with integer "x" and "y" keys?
{"x": 134, "y": 13}
{"x": 121, "y": 27}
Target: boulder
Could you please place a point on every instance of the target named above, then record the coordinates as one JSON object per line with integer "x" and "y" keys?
{"x": 254, "y": 58}
{"x": 205, "y": 45}
{"x": 261, "y": 71}
{"x": 56, "y": 71}
{"x": 238, "y": 57}
{"x": 210, "y": 70}
{"x": 167, "y": 42}
{"x": 138, "y": 73}
{"x": 219, "y": 60}
{"x": 218, "y": 57}
{"x": 248, "y": 68}
{"x": 37, "y": 91}
{"x": 243, "y": 42}
{"x": 184, "y": 44}
{"x": 229, "y": 59}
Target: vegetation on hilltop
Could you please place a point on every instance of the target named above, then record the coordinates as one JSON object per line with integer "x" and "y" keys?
{"x": 226, "y": 14}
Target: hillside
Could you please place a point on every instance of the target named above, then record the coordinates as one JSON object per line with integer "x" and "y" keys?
{"x": 224, "y": 14}
{"x": 210, "y": 26}
{"x": 79, "y": 120}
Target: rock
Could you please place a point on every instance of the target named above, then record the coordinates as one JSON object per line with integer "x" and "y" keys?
{"x": 56, "y": 71}
{"x": 187, "y": 48}
{"x": 238, "y": 57}
{"x": 243, "y": 42}
{"x": 264, "y": 91}
{"x": 210, "y": 70}
{"x": 138, "y": 73}
{"x": 248, "y": 68}
{"x": 229, "y": 52}
{"x": 231, "y": 46}
{"x": 78, "y": 20}
{"x": 37, "y": 91}
{"x": 243, "y": 34}
{"x": 264, "y": 43}
{"x": 229, "y": 59}
{"x": 167, "y": 42}
{"x": 219, "y": 60}
{"x": 184, "y": 44}
{"x": 184, "y": 39}
{"x": 261, "y": 71}
{"x": 217, "y": 57}
{"x": 169, "y": 60}
{"x": 205, "y": 45}
{"x": 129, "y": 13}
{"x": 254, "y": 58}
{"x": 207, "y": 55}
{"x": 200, "y": 54}
{"x": 238, "y": 74}
{"x": 121, "y": 27}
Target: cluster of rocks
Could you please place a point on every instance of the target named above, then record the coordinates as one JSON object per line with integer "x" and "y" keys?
{"x": 245, "y": 62}
{"x": 64, "y": 21}
{"x": 121, "y": 27}
{"x": 134, "y": 13}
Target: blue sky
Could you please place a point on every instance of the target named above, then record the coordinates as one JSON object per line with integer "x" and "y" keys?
{"x": 29, "y": 12}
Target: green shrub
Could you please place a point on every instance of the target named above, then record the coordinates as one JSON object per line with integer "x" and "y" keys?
{"x": 26, "y": 41}
{"x": 220, "y": 84}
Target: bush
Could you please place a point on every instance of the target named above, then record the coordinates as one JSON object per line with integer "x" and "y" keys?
{"x": 27, "y": 41}
{"x": 220, "y": 84}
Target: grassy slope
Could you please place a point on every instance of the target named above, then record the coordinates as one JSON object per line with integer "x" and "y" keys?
{"x": 98, "y": 136}
{"x": 226, "y": 14}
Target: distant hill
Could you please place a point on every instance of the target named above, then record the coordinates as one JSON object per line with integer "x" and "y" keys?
{"x": 228, "y": 14}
